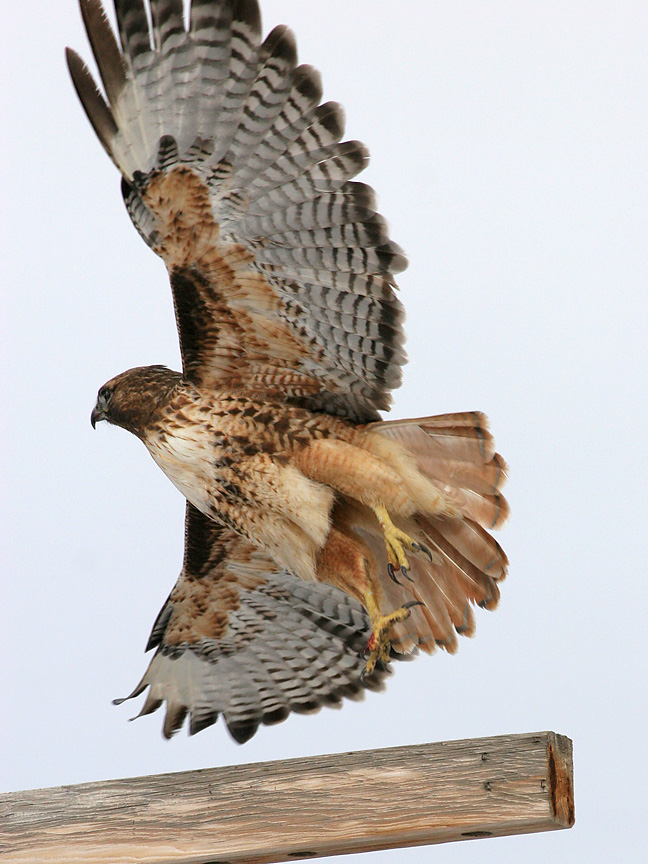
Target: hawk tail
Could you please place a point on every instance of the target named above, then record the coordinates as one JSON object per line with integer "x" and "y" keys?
{"x": 460, "y": 563}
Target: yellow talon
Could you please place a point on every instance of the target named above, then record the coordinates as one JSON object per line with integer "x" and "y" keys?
{"x": 395, "y": 540}
{"x": 378, "y": 647}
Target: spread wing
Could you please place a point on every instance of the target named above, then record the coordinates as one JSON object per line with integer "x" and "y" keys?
{"x": 241, "y": 638}
{"x": 281, "y": 269}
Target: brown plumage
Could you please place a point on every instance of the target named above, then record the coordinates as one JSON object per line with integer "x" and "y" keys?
{"x": 301, "y": 501}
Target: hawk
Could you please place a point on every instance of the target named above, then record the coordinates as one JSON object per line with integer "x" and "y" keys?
{"x": 320, "y": 540}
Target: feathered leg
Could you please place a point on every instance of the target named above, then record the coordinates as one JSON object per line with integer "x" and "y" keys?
{"x": 368, "y": 478}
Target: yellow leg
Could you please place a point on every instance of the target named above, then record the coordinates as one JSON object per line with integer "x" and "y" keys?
{"x": 379, "y": 644}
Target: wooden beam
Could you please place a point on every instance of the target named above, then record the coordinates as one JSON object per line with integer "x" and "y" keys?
{"x": 300, "y": 808}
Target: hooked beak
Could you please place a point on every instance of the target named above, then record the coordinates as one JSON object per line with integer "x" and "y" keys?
{"x": 97, "y": 415}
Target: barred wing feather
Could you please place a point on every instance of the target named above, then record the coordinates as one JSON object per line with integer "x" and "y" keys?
{"x": 282, "y": 271}
{"x": 241, "y": 638}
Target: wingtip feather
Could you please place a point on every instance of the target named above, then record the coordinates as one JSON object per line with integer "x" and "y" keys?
{"x": 104, "y": 48}
{"x": 96, "y": 109}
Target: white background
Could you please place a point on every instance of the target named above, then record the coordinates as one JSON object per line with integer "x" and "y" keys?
{"x": 509, "y": 152}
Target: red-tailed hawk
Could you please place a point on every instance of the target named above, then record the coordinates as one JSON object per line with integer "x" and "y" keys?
{"x": 319, "y": 539}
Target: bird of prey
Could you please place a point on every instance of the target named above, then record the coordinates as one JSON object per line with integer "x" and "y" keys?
{"x": 320, "y": 540}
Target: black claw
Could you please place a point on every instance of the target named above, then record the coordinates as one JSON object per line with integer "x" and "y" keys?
{"x": 412, "y": 603}
{"x": 406, "y": 574}
{"x": 392, "y": 574}
{"x": 420, "y": 547}
{"x": 428, "y": 553}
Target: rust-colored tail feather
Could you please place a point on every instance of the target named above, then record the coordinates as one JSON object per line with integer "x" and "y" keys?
{"x": 457, "y": 454}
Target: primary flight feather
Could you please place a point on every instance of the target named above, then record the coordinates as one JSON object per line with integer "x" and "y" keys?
{"x": 314, "y": 529}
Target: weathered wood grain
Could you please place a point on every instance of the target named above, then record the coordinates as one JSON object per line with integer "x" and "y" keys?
{"x": 301, "y": 808}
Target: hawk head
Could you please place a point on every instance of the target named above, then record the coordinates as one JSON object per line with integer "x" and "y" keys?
{"x": 131, "y": 400}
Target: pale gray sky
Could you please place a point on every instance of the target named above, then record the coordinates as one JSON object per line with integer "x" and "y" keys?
{"x": 509, "y": 153}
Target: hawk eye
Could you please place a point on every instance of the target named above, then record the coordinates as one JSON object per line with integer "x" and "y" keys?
{"x": 104, "y": 396}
